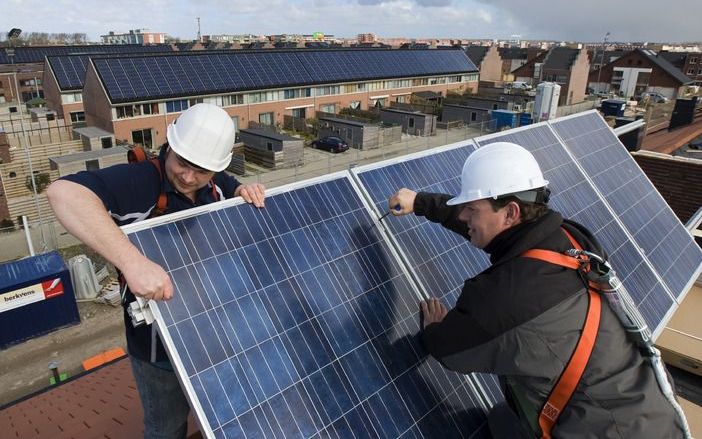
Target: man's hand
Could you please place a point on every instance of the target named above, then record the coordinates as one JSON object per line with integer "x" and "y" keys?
{"x": 433, "y": 311}
{"x": 148, "y": 280}
{"x": 402, "y": 202}
{"x": 253, "y": 193}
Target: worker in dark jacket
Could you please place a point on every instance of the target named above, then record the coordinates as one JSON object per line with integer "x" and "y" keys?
{"x": 521, "y": 318}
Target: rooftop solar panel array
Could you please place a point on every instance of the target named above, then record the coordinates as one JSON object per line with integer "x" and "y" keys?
{"x": 298, "y": 320}
{"x": 641, "y": 209}
{"x": 159, "y": 77}
{"x": 30, "y": 54}
{"x": 301, "y": 319}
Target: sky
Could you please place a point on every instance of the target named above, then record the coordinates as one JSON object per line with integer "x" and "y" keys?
{"x": 560, "y": 20}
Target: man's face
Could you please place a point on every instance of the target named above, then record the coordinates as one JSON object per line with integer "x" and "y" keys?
{"x": 185, "y": 177}
{"x": 484, "y": 223}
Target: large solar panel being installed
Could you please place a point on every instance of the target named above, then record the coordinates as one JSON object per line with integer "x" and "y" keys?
{"x": 440, "y": 259}
{"x": 575, "y": 197}
{"x": 643, "y": 212}
{"x": 298, "y": 320}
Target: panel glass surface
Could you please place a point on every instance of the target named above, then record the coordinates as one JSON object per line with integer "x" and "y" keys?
{"x": 664, "y": 240}
{"x": 297, "y": 321}
{"x": 441, "y": 259}
{"x": 575, "y": 198}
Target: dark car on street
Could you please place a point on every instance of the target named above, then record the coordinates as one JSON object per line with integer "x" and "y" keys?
{"x": 331, "y": 144}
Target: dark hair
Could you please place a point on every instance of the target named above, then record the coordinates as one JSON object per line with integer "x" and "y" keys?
{"x": 527, "y": 211}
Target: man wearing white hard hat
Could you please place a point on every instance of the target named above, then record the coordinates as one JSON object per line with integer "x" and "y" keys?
{"x": 92, "y": 205}
{"x": 522, "y": 318}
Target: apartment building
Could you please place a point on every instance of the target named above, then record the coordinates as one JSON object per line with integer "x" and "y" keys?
{"x": 136, "y": 97}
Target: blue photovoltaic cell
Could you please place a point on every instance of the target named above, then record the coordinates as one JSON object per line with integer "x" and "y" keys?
{"x": 441, "y": 259}
{"x": 178, "y": 75}
{"x": 646, "y": 216}
{"x": 575, "y": 198}
{"x": 297, "y": 320}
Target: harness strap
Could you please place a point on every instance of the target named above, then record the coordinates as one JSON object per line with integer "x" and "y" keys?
{"x": 563, "y": 391}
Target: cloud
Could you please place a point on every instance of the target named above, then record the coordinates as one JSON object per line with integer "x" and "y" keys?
{"x": 643, "y": 20}
{"x": 423, "y": 3}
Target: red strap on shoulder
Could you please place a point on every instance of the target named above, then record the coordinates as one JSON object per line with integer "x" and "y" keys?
{"x": 573, "y": 371}
{"x": 136, "y": 154}
{"x": 162, "y": 203}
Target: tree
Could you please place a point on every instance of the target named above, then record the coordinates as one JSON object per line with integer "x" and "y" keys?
{"x": 41, "y": 181}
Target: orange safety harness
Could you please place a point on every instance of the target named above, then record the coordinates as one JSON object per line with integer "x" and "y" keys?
{"x": 136, "y": 155}
{"x": 572, "y": 373}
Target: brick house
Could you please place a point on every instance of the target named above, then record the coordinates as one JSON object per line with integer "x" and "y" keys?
{"x": 638, "y": 71}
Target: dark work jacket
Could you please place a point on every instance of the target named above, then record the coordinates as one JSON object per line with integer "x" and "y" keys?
{"x": 130, "y": 193}
{"x": 521, "y": 319}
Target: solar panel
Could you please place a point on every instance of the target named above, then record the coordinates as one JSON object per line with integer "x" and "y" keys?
{"x": 574, "y": 196}
{"x": 29, "y": 54}
{"x": 298, "y": 320}
{"x": 440, "y": 259}
{"x": 647, "y": 217}
{"x": 179, "y": 75}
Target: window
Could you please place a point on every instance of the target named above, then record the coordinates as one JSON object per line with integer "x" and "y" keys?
{"x": 690, "y": 71}
{"x": 294, "y": 93}
{"x": 13, "y": 174}
{"x": 77, "y": 116}
{"x": 473, "y": 116}
{"x": 106, "y": 142}
{"x": 693, "y": 60}
{"x": 328, "y": 90}
{"x": 410, "y": 122}
{"x": 176, "y": 106}
{"x": 269, "y": 145}
{"x": 421, "y": 81}
{"x": 298, "y": 113}
{"x": 266, "y": 118}
{"x": 70, "y": 98}
{"x": 142, "y": 138}
{"x": 196, "y": 101}
{"x": 235, "y": 119}
{"x": 328, "y": 108}
{"x": 401, "y": 99}
{"x": 356, "y": 105}
{"x": 92, "y": 165}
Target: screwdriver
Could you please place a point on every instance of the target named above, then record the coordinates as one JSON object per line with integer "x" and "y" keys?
{"x": 397, "y": 209}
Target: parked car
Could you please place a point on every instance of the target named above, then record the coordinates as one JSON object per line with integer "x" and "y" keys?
{"x": 331, "y": 144}
{"x": 520, "y": 85}
{"x": 696, "y": 144}
{"x": 654, "y": 96}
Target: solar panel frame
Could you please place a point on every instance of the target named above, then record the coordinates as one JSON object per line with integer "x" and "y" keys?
{"x": 375, "y": 404}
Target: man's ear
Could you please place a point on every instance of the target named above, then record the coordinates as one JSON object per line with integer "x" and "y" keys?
{"x": 513, "y": 213}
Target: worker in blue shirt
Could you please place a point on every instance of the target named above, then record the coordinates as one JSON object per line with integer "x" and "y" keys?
{"x": 92, "y": 205}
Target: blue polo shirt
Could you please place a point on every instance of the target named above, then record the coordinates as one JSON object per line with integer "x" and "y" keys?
{"x": 130, "y": 193}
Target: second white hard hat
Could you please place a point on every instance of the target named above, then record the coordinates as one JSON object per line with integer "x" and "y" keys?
{"x": 500, "y": 168}
{"x": 204, "y": 135}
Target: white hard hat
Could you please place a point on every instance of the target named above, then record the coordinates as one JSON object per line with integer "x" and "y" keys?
{"x": 500, "y": 168}
{"x": 203, "y": 135}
